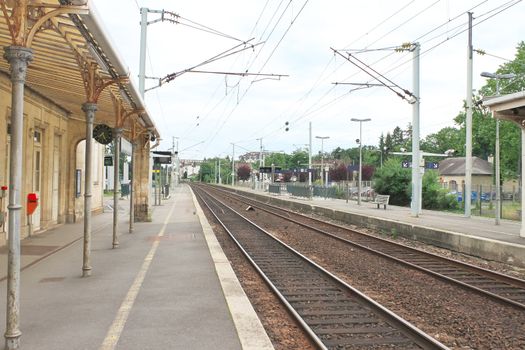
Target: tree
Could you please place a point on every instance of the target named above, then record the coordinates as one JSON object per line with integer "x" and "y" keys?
{"x": 395, "y": 181}
{"x": 243, "y": 172}
{"x": 338, "y": 173}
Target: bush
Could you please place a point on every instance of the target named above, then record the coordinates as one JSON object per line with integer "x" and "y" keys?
{"x": 393, "y": 180}
{"x": 435, "y": 197}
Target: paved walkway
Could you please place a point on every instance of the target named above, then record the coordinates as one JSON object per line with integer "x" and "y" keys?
{"x": 167, "y": 286}
{"x": 507, "y": 231}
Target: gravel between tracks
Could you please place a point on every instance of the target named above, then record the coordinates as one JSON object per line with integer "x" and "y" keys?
{"x": 454, "y": 316}
{"x": 282, "y": 329}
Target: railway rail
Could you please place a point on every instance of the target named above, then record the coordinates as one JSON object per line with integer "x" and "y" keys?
{"x": 502, "y": 288}
{"x": 334, "y": 314}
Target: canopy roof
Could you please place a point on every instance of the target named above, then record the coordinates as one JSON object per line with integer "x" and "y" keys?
{"x": 508, "y": 107}
{"x": 56, "y": 73}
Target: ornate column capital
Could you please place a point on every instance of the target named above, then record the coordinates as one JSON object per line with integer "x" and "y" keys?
{"x": 19, "y": 58}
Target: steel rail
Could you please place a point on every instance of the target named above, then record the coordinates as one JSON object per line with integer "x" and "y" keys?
{"x": 514, "y": 282}
{"x": 409, "y": 330}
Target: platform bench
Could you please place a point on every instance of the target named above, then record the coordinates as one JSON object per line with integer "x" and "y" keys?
{"x": 381, "y": 199}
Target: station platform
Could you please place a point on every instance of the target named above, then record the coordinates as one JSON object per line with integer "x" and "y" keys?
{"x": 476, "y": 236}
{"x": 167, "y": 286}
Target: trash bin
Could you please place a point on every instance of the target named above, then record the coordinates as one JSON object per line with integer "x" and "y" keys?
{"x": 166, "y": 191}
{"x": 124, "y": 190}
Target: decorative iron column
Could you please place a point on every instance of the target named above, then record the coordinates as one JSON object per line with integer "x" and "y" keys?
{"x": 131, "y": 192}
{"x": 89, "y": 108}
{"x": 18, "y": 58}
{"x": 116, "y": 183}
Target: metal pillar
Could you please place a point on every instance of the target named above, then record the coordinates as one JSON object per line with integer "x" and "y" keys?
{"x": 220, "y": 180}
{"x": 116, "y": 183}
{"x": 310, "y": 157}
{"x": 233, "y": 165}
{"x": 498, "y": 177}
{"x": 131, "y": 183}
{"x": 89, "y": 109}
{"x": 142, "y": 62}
{"x": 522, "y": 229}
{"x": 415, "y": 205}
{"x": 18, "y": 58}
{"x": 360, "y": 163}
{"x": 468, "y": 125}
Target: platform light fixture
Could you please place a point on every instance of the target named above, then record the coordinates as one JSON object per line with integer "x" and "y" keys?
{"x": 361, "y": 121}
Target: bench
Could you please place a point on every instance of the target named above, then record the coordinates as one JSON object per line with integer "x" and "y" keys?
{"x": 381, "y": 199}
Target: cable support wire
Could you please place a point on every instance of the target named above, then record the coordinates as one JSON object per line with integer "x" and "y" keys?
{"x": 178, "y": 19}
{"x": 377, "y": 77}
{"x": 267, "y": 60}
{"x": 320, "y": 79}
{"x": 222, "y": 55}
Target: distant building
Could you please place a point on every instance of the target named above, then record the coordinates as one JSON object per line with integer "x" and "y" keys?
{"x": 452, "y": 173}
{"x": 251, "y": 157}
{"x": 189, "y": 166}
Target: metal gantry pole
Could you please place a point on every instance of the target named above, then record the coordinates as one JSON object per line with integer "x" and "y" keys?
{"x": 131, "y": 182}
{"x": 360, "y": 162}
{"x": 415, "y": 206}
{"x": 116, "y": 183}
{"x": 233, "y": 164}
{"x": 468, "y": 124}
{"x": 322, "y": 162}
{"x": 310, "y": 157}
{"x": 260, "y": 163}
{"x": 18, "y": 58}
{"x": 89, "y": 109}
{"x": 522, "y": 229}
{"x": 143, "y": 38}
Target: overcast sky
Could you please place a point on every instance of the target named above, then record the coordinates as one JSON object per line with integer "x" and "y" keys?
{"x": 208, "y": 112}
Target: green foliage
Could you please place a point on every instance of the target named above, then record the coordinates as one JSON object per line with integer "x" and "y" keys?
{"x": 435, "y": 197}
{"x": 394, "y": 181}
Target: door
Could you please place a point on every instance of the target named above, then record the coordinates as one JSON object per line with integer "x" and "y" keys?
{"x": 37, "y": 176}
{"x": 55, "y": 180}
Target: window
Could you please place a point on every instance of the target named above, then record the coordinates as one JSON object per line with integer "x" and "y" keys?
{"x": 37, "y": 136}
{"x": 36, "y": 185}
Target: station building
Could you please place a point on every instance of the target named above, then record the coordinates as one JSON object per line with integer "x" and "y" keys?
{"x": 72, "y": 70}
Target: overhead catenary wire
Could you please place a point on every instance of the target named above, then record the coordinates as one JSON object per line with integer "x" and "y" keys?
{"x": 267, "y": 60}
{"x": 427, "y": 33}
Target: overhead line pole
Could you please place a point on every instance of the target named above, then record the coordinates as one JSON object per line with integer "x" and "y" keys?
{"x": 416, "y": 172}
{"x": 468, "y": 124}
{"x": 310, "y": 158}
{"x": 233, "y": 164}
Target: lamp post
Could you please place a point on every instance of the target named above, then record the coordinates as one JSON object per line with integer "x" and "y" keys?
{"x": 360, "y": 154}
{"x": 322, "y": 138}
{"x": 497, "y": 77}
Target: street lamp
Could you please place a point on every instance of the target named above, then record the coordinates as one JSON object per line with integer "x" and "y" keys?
{"x": 360, "y": 154}
{"x": 497, "y": 77}
{"x": 322, "y": 156}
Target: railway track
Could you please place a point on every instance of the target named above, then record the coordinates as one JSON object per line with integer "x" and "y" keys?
{"x": 334, "y": 314}
{"x": 502, "y": 288}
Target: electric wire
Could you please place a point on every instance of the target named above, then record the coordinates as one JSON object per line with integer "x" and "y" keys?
{"x": 273, "y": 51}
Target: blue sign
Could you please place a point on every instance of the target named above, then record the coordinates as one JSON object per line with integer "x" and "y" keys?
{"x": 406, "y": 164}
{"x": 431, "y": 165}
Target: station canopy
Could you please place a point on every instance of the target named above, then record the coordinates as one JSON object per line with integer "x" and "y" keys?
{"x": 55, "y": 71}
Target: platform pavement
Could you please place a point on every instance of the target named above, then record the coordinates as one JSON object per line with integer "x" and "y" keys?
{"x": 477, "y": 236}
{"x": 167, "y": 286}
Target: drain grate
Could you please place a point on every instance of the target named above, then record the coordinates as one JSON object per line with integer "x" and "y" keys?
{"x": 51, "y": 279}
